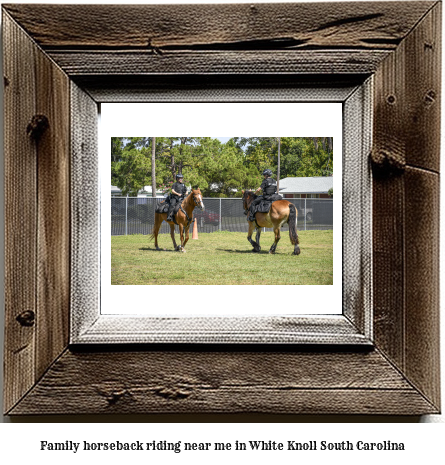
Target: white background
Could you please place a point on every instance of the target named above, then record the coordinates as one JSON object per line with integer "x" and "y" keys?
{"x": 20, "y": 442}
{"x": 228, "y": 119}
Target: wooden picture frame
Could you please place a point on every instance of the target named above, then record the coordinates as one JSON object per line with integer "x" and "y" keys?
{"x": 67, "y": 62}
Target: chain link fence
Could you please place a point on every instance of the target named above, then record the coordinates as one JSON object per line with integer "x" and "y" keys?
{"x": 135, "y": 215}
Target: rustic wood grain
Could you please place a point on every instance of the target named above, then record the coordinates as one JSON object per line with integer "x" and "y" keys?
{"x": 53, "y": 201}
{"x": 422, "y": 281}
{"x": 79, "y": 63}
{"x": 20, "y": 213}
{"x": 423, "y": 91}
{"x": 406, "y": 219}
{"x": 218, "y": 381}
{"x": 349, "y": 25}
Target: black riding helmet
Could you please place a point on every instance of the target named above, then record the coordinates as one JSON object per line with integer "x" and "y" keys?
{"x": 179, "y": 176}
{"x": 267, "y": 172}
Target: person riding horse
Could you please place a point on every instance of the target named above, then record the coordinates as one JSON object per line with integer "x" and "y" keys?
{"x": 269, "y": 188}
{"x": 177, "y": 194}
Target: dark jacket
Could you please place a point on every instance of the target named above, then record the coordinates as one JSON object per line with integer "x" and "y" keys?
{"x": 269, "y": 187}
{"x": 180, "y": 188}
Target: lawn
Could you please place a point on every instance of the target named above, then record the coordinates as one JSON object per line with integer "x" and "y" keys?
{"x": 222, "y": 258}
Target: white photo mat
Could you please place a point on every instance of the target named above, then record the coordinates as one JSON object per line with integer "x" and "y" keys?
{"x": 288, "y": 119}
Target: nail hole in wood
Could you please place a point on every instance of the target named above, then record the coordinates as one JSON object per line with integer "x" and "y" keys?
{"x": 430, "y": 97}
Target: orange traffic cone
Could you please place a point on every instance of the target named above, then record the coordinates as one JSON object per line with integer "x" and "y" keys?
{"x": 195, "y": 229}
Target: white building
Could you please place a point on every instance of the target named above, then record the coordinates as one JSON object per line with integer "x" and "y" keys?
{"x": 145, "y": 192}
{"x": 306, "y": 188}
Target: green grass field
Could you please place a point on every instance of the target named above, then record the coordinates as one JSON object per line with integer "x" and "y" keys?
{"x": 222, "y": 258}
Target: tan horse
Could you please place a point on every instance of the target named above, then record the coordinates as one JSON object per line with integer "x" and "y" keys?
{"x": 281, "y": 211}
{"x": 194, "y": 199}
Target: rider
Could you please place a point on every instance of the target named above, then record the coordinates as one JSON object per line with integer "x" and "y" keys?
{"x": 177, "y": 194}
{"x": 269, "y": 187}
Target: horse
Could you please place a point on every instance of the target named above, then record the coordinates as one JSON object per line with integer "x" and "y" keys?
{"x": 280, "y": 212}
{"x": 183, "y": 219}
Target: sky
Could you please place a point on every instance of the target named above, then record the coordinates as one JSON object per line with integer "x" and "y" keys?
{"x": 222, "y": 139}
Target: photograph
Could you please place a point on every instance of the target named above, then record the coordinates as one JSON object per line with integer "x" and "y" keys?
{"x": 221, "y": 191}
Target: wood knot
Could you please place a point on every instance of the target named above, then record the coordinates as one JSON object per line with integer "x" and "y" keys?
{"x": 113, "y": 395}
{"x": 391, "y": 99}
{"x": 26, "y": 318}
{"x": 387, "y": 163}
{"x": 37, "y": 126}
{"x": 5, "y": 81}
{"x": 173, "y": 393}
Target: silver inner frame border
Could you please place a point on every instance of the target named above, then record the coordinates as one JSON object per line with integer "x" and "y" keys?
{"x": 353, "y": 327}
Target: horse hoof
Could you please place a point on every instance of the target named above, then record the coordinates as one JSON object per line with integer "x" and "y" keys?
{"x": 296, "y": 252}
{"x": 272, "y": 252}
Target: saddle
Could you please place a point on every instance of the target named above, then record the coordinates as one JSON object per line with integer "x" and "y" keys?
{"x": 264, "y": 205}
{"x": 163, "y": 207}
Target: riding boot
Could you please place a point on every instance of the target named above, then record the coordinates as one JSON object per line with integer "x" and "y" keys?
{"x": 251, "y": 216}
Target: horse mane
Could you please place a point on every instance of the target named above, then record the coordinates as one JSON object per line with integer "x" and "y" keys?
{"x": 251, "y": 192}
{"x": 189, "y": 195}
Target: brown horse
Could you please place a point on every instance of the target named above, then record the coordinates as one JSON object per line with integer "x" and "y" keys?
{"x": 183, "y": 219}
{"x": 281, "y": 211}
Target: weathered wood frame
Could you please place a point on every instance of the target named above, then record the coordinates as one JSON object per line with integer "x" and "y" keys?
{"x": 68, "y": 60}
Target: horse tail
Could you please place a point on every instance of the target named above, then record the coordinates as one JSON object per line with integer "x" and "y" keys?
{"x": 292, "y": 221}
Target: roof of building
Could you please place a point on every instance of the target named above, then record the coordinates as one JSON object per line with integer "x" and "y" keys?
{"x": 300, "y": 185}
{"x": 145, "y": 190}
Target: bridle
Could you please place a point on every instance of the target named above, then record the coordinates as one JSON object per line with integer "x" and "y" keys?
{"x": 198, "y": 203}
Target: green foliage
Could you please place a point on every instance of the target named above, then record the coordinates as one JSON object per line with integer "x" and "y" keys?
{"x": 218, "y": 169}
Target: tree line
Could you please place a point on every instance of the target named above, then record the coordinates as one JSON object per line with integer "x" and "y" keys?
{"x": 219, "y": 169}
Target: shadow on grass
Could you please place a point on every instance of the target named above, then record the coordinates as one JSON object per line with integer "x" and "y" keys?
{"x": 244, "y": 251}
{"x": 149, "y": 249}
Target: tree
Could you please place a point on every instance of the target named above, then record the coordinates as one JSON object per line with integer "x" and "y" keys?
{"x": 131, "y": 171}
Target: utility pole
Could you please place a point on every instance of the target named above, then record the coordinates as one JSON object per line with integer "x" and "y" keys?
{"x": 278, "y": 171}
{"x": 153, "y": 166}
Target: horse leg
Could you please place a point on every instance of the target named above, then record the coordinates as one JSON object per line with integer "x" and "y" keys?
{"x": 277, "y": 238}
{"x": 256, "y": 246}
{"x": 186, "y": 235}
{"x": 156, "y": 227}
{"x": 258, "y": 235}
{"x": 181, "y": 235}
{"x": 172, "y": 234}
